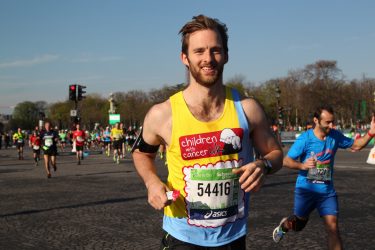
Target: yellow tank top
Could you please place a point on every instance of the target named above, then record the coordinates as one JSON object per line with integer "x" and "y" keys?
{"x": 116, "y": 134}
{"x": 200, "y": 158}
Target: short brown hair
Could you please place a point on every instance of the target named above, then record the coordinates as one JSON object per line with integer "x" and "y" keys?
{"x": 319, "y": 110}
{"x": 202, "y": 22}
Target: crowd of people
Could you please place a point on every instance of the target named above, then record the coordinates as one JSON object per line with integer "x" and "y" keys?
{"x": 116, "y": 140}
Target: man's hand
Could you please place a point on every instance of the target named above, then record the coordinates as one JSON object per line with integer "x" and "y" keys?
{"x": 252, "y": 176}
{"x": 157, "y": 196}
{"x": 309, "y": 163}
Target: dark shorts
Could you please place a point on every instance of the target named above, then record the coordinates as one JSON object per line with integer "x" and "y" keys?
{"x": 107, "y": 142}
{"x": 171, "y": 243}
{"x": 117, "y": 144}
{"x": 36, "y": 151}
{"x": 20, "y": 145}
{"x": 79, "y": 148}
{"x": 51, "y": 151}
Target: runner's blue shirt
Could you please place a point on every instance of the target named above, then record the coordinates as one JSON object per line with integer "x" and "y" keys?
{"x": 324, "y": 150}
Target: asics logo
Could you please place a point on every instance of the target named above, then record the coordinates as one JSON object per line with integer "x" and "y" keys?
{"x": 208, "y": 215}
{"x": 213, "y": 214}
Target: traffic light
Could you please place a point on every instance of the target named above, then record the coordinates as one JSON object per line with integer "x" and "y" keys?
{"x": 73, "y": 92}
{"x": 80, "y": 93}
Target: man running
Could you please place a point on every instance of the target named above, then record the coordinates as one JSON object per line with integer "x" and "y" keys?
{"x": 123, "y": 146}
{"x": 313, "y": 154}
{"x": 117, "y": 139}
{"x": 209, "y": 131}
{"x": 106, "y": 137}
{"x": 49, "y": 138}
{"x": 35, "y": 145}
{"x": 62, "y": 137}
{"x": 130, "y": 138}
{"x": 19, "y": 141}
{"x": 79, "y": 139}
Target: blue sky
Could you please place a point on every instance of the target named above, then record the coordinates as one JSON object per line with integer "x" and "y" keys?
{"x": 115, "y": 45}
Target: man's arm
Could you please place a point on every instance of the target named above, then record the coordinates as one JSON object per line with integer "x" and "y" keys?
{"x": 364, "y": 140}
{"x": 293, "y": 164}
{"x": 252, "y": 174}
{"x": 153, "y": 129}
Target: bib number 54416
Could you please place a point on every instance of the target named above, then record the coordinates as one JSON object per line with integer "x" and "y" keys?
{"x": 214, "y": 189}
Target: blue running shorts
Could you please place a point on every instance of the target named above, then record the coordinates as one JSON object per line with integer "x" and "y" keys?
{"x": 305, "y": 201}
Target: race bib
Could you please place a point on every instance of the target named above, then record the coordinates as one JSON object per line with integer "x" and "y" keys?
{"x": 79, "y": 139}
{"x": 48, "y": 142}
{"x": 321, "y": 174}
{"x": 213, "y": 194}
{"x": 20, "y": 140}
{"x": 35, "y": 147}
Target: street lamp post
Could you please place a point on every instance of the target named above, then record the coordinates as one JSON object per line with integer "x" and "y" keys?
{"x": 278, "y": 107}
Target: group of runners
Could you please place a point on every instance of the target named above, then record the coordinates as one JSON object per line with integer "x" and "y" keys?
{"x": 50, "y": 141}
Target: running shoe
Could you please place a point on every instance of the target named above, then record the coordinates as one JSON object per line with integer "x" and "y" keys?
{"x": 278, "y": 232}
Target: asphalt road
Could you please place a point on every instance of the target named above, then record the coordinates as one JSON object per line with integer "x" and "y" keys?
{"x": 101, "y": 205}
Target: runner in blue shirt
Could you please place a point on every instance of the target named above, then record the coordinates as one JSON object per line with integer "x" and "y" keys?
{"x": 107, "y": 140}
{"x": 313, "y": 155}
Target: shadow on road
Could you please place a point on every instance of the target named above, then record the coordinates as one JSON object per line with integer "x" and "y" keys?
{"x": 88, "y": 204}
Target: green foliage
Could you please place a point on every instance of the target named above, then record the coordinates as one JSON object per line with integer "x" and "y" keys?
{"x": 26, "y": 114}
{"x": 300, "y": 92}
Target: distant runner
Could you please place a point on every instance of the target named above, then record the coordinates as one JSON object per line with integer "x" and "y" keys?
{"x": 49, "y": 139}
{"x": 79, "y": 138}
{"x": 117, "y": 139}
{"x": 35, "y": 145}
{"x": 19, "y": 141}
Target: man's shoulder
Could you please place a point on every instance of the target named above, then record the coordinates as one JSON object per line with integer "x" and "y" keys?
{"x": 254, "y": 111}
{"x": 334, "y": 133}
{"x": 303, "y": 138}
{"x": 307, "y": 133}
{"x": 158, "y": 120}
{"x": 160, "y": 110}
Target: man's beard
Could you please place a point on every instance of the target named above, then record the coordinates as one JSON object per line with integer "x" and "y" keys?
{"x": 325, "y": 130}
{"x": 198, "y": 74}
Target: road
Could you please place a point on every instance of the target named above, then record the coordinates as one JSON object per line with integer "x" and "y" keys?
{"x": 101, "y": 205}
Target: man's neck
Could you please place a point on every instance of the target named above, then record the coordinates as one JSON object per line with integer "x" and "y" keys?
{"x": 205, "y": 103}
{"x": 319, "y": 134}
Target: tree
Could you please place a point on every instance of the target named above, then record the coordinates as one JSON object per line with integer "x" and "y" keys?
{"x": 161, "y": 95}
{"x": 94, "y": 109}
{"x": 27, "y": 114}
{"x": 238, "y": 82}
{"x": 132, "y": 106}
{"x": 59, "y": 114}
